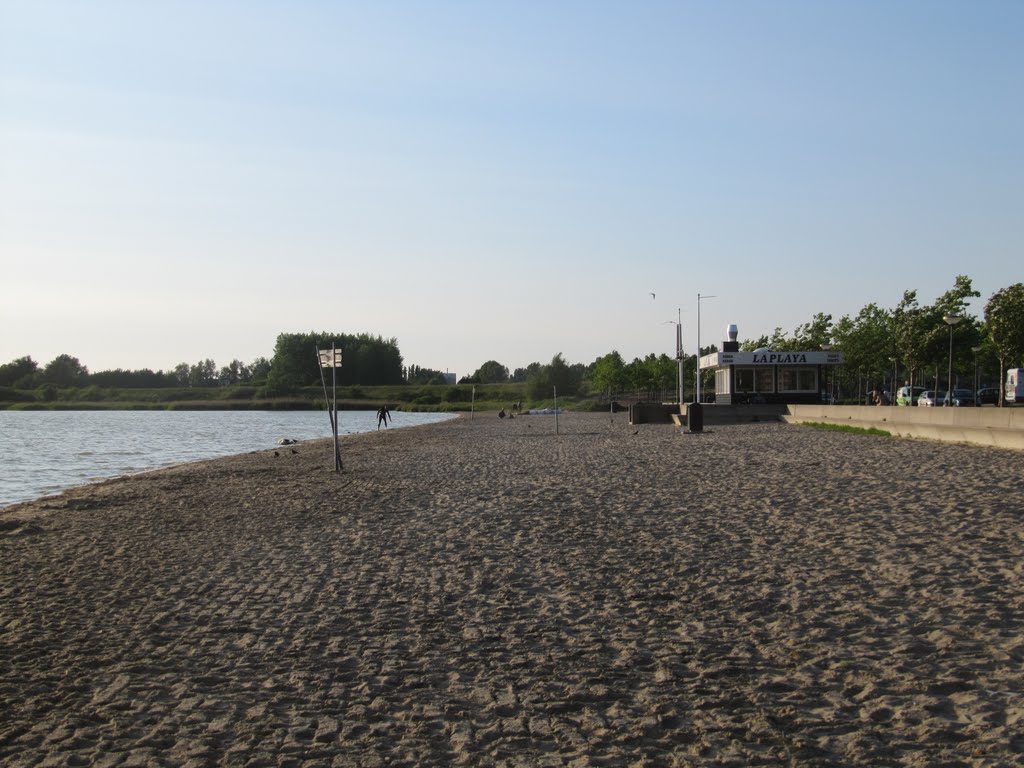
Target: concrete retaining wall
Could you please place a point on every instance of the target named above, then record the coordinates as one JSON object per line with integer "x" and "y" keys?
{"x": 997, "y": 427}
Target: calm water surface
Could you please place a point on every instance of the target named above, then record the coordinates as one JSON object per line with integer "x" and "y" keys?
{"x": 43, "y": 452}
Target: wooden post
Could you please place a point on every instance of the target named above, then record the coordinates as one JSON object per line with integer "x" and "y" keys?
{"x": 334, "y": 386}
{"x": 332, "y": 408}
{"x": 555, "y": 390}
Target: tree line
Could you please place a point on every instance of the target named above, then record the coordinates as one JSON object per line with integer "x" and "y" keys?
{"x": 908, "y": 342}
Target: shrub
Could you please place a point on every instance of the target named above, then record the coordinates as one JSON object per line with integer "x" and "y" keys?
{"x": 455, "y": 395}
{"x": 11, "y": 395}
{"x": 47, "y": 393}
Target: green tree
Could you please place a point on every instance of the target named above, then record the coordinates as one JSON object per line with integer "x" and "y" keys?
{"x": 416, "y": 375}
{"x": 203, "y": 374}
{"x": 609, "y": 374}
{"x": 14, "y": 372}
{"x": 935, "y": 347}
{"x": 909, "y": 334}
{"x": 65, "y": 371}
{"x": 866, "y": 342}
{"x": 556, "y": 374}
{"x": 1004, "y": 317}
{"x": 366, "y": 360}
{"x": 258, "y": 370}
{"x": 815, "y": 334}
{"x": 491, "y": 372}
{"x": 520, "y": 375}
{"x": 234, "y": 372}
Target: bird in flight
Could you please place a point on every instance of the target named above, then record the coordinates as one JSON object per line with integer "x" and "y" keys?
{"x": 652, "y": 295}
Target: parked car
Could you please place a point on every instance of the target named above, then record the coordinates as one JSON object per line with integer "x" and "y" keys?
{"x": 959, "y": 397}
{"x": 929, "y": 398}
{"x": 908, "y": 395}
{"x": 988, "y": 396}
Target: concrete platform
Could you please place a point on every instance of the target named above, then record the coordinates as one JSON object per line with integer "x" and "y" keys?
{"x": 996, "y": 427}
{"x": 736, "y": 414}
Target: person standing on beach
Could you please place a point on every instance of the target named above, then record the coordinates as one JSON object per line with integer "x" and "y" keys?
{"x": 383, "y": 416}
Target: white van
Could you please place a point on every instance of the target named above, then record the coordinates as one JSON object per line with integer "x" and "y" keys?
{"x": 1015, "y": 385}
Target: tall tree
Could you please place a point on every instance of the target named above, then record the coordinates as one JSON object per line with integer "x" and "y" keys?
{"x": 815, "y": 334}
{"x": 1004, "y": 316}
{"x": 233, "y": 373}
{"x": 366, "y": 360}
{"x": 203, "y": 374}
{"x": 866, "y": 342}
{"x": 491, "y": 372}
{"x": 938, "y": 333}
{"x": 909, "y": 333}
{"x": 556, "y": 374}
{"x": 17, "y": 370}
{"x": 65, "y": 371}
{"x": 609, "y": 373}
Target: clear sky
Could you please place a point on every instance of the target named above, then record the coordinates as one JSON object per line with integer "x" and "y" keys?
{"x": 494, "y": 180}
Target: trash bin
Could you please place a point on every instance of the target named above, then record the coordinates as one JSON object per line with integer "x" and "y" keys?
{"x": 695, "y": 417}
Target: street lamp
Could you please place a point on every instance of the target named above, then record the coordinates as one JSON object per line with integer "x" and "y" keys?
{"x": 699, "y": 298}
{"x": 832, "y": 383}
{"x": 976, "y": 350}
{"x": 951, "y": 320}
{"x": 894, "y": 387}
{"x": 679, "y": 352}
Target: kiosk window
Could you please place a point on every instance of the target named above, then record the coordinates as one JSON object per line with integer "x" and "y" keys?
{"x": 754, "y": 380}
{"x": 797, "y": 379}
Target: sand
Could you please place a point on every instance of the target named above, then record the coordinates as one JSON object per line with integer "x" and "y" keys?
{"x": 486, "y": 592}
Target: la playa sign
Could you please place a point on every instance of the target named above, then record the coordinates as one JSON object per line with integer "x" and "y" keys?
{"x": 767, "y": 357}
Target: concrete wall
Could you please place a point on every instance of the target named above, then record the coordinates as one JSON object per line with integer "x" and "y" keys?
{"x": 998, "y": 427}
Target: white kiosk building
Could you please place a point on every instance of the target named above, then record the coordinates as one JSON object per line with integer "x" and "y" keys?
{"x": 764, "y": 376}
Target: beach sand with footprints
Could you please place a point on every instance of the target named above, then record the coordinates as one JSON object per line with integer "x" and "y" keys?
{"x": 489, "y": 592}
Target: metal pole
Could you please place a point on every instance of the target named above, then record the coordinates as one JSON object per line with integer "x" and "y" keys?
{"x": 323, "y": 381}
{"x": 949, "y": 389}
{"x": 334, "y": 388}
{"x": 976, "y": 350}
{"x": 472, "y": 404}
{"x": 976, "y": 403}
{"x": 696, "y": 398}
{"x": 679, "y": 357}
{"x": 699, "y": 297}
{"x": 555, "y": 390}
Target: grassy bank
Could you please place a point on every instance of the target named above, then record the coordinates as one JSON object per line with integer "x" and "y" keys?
{"x": 435, "y": 397}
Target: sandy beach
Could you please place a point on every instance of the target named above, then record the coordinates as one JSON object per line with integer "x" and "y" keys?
{"x": 486, "y": 592}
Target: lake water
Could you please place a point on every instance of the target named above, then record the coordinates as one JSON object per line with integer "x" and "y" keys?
{"x": 43, "y": 452}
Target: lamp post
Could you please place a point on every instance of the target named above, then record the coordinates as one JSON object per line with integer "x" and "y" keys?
{"x": 951, "y": 320}
{"x": 893, "y": 389}
{"x": 679, "y": 353}
{"x": 699, "y": 298}
{"x": 832, "y": 377}
{"x": 976, "y": 350}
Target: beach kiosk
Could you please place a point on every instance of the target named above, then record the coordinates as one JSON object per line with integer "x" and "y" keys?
{"x": 765, "y": 376}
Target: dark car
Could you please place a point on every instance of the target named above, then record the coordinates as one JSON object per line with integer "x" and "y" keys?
{"x": 959, "y": 397}
{"x": 988, "y": 395}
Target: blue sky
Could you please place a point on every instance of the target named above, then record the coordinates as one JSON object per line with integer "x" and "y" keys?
{"x": 181, "y": 181}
